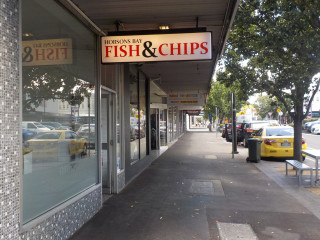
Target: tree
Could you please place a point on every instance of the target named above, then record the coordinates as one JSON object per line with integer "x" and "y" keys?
{"x": 274, "y": 48}
{"x": 49, "y": 83}
{"x": 266, "y": 104}
{"x": 220, "y": 98}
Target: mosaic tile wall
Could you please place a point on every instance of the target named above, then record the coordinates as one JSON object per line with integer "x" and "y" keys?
{"x": 64, "y": 223}
{"x": 9, "y": 120}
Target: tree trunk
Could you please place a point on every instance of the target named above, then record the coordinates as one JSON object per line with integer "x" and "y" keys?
{"x": 298, "y": 117}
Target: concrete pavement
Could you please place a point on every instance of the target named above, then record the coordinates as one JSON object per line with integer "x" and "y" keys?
{"x": 195, "y": 190}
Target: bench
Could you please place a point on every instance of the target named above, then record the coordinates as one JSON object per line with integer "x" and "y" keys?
{"x": 299, "y": 166}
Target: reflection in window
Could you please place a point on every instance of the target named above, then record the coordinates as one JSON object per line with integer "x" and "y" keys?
{"x": 119, "y": 88}
{"x": 138, "y": 138}
{"x": 170, "y": 121}
{"x": 59, "y": 152}
{"x": 134, "y": 120}
{"x": 174, "y": 122}
{"x": 142, "y": 115}
{"x": 163, "y": 127}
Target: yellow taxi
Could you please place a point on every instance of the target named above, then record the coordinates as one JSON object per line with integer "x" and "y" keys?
{"x": 277, "y": 141}
{"x": 57, "y": 145}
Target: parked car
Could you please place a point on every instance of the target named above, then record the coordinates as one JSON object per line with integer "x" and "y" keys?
{"x": 250, "y": 127}
{"x": 57, "y": 145}
{"x": 312, "y": 124}
{"x": 27, "y": 135}
{"x": 224, "y": 129}
{"x": 315, "y": 129}
{"x": 50, "y": 127}
{"x": 228, "y": 132}
{"x": 36, "y": 126}
{"x": 88, "y": 131}
{"x": 277, "y": 141}
{"x": 56, "y": 125}
{"x": 308, "y": 125}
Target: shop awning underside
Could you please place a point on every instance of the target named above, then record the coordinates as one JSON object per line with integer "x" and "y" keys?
{"x": 137, "y": 15}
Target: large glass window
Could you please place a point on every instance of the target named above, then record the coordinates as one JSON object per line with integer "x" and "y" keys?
{"x": 163, "y": 127}
{"x": 170, "y": 124}
{"x": 119, "y": 83}
{"x": 59, "y": 85}
{"x": 138, "y": 142}
{"x": 174, "y": 122}
{"x": 134, "y": 119}
{"x": 142, "y": 115}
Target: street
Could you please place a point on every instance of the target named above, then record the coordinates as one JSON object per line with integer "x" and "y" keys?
{"x": 312, "y": 140}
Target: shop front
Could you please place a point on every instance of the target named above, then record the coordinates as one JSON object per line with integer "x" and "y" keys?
{"x": 60, "y": 93}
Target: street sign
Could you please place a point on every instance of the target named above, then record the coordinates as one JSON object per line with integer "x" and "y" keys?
{"x": 278, "y": 110}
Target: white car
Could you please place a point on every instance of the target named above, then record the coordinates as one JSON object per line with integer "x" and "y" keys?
{"x": 35, "y": 126}
{"x": 315, "y": 129}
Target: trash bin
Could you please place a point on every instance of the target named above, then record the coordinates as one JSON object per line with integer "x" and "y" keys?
{"x": 254, "y": 148}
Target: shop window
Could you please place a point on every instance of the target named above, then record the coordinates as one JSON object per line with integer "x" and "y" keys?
{"x": 163, "y": 127}
{"x": 138, "y": 142}
{"x": 119, "y": 117}
{"x": 134, "y": 119}
{"x": 174, "y": 122}
{"x": 142, "y": 115}
{"x": 58, "y": 68}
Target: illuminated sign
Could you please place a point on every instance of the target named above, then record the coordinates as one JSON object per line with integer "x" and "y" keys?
{"x": 47, "y": 52}
{"x": 154, "y": 48}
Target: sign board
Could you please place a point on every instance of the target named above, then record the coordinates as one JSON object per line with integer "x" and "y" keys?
{"x": 47, "y": 52}
{"x": 185, "y": 99}
{"x": 278, "y": 110}
{"x": 193, "y": 112}
{"x": 157, "y": 47}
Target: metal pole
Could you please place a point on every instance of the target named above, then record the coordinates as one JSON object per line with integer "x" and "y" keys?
{"x": 216, "y": 122}
{"x": 234, "y": 125}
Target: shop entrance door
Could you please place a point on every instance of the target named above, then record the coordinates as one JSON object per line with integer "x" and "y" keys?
{"x": 107, "y": 119}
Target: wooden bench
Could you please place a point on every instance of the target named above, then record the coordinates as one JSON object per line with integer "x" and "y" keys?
{"x": 299, "y": 166}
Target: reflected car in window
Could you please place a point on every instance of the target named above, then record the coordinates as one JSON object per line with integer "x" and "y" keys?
{"x": 27, "y": 135}
{"x": 88, "y": 131}
{"x": 35, "y": 126}
{"x": 277, "y": 141}
{"x": 55, "y": 125}
{"x": 57, "y": 145}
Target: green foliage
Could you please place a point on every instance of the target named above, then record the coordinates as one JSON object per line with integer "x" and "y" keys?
{"x": 274, "y": 48}
{"x": 50, "y": 83}
{"x": 220, "y": 98}
{"x": 266, "y": 104}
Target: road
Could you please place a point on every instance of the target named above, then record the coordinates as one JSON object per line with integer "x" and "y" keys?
{"x": 312, "y": 140}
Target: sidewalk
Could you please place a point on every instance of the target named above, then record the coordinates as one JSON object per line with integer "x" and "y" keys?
{"x": 195, "y": 190}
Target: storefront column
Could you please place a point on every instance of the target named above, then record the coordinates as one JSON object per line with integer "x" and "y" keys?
{"x": 10, "y": 140}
